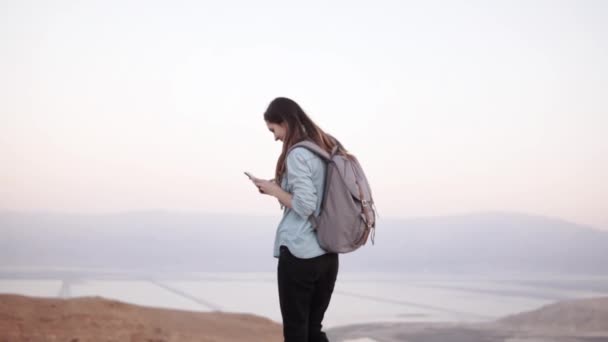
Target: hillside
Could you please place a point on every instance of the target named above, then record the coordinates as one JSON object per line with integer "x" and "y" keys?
{"x": 583, "y": 320}
{"x": 583, "y": 316}
{"x": 98, "y": 319}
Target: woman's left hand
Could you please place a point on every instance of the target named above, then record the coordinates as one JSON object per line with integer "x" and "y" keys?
{"x": 267, "y": 187}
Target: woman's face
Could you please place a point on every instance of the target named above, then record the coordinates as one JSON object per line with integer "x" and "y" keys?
{"x": 279, "y": 130}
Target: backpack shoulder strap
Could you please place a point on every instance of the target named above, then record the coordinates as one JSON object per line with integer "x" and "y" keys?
{"x": 311, "y": 146}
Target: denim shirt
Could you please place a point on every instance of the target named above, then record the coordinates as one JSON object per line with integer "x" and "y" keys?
{"x": 305, "y": 180}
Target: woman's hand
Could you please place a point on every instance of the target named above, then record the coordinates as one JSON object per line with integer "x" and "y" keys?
{"x": 267, "y": 187}
{"x": 270, "y": 187}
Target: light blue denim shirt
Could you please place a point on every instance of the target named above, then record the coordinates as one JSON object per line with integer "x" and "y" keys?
{"x": 305, "y": 180}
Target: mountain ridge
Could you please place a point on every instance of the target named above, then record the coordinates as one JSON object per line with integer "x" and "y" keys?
{"x": 194, "y": 241}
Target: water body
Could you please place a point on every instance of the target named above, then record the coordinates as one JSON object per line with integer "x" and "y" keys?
{"x": 358, "y": 297}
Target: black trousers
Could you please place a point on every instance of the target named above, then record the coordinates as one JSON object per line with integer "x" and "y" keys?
{"x": 305, "y": 288}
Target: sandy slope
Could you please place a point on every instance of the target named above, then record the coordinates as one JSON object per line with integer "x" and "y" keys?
{"x": 97, "y": 319}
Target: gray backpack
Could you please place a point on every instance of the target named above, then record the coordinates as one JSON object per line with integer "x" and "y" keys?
{"x": 348, "y": 214}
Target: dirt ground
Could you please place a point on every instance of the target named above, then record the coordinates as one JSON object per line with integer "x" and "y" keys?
{"x": 98, "y": 319}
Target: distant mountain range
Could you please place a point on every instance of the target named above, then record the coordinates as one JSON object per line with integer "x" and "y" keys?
{"x": 194, "y": 242}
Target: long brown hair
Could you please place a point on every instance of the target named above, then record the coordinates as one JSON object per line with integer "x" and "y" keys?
{"x": 299, "y": 127}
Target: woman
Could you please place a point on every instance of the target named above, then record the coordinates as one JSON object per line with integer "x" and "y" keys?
{"x": 306, "y": 273}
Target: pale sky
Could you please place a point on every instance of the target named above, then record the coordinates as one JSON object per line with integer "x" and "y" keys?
{"x": 451, "y": 106}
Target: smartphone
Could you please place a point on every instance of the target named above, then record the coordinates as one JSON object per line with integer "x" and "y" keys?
{"x": 249, "y": 175}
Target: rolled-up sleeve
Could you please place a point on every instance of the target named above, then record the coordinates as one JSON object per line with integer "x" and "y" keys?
{"x": 299, "y": 176}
